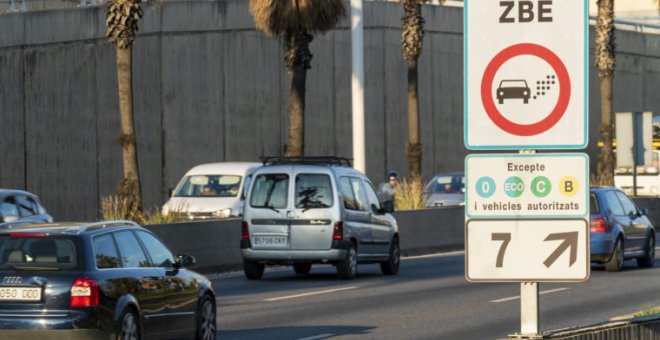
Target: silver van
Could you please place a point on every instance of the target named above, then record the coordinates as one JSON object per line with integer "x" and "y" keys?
{"x": 313, "y": 210}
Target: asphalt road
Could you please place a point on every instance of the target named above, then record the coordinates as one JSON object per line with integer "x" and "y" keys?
{"x": 429, "y": 299}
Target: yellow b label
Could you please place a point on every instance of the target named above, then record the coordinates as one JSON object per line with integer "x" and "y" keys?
{"x": 569, "y": 186}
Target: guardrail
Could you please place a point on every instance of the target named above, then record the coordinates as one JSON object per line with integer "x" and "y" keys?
{"x": 640, "y": 328}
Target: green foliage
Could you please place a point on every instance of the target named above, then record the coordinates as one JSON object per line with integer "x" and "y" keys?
{"x": 409, "y": 195}
{"x": 648, "y": 310}
{"x": 115, "y": 208}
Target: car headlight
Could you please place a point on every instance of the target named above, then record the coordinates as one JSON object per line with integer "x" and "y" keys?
{"x": 654, "y": 189}
{"x": 501, "y": 93}
{"x": 165, "y": 211}
{"x": 222, "y": 213}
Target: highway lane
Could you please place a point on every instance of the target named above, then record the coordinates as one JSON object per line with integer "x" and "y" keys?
{"x": 429, "y": 299}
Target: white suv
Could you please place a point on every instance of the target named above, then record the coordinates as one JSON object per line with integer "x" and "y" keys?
{"x": 309, "y": 210}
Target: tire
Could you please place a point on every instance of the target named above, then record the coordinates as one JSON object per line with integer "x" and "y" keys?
{"x": 129, "y": 326}
{"x": 347, "y": 268}
{"x": 391, "y": 266}
{"x": 253, "y": 270}
{"x": 206, "y": 323}
{"x": 615, "y": 263}
{"x": 649, "y": 256}
{"x": 302, "y": 268}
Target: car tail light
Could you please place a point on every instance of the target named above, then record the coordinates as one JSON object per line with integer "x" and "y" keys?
{"x": 338, "y": 232}
{"x": 84, "y": 293}
{"x": 245, "y": 231}
{"x": 598, "y": 225}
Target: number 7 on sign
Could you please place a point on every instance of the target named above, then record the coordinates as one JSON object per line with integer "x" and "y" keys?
{"x": 505, "y": 238}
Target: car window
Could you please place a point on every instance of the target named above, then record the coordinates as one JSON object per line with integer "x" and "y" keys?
{"x": 105, "y": 252}
{"x": 594, "y": 208}
{"x": 52, "y": 253}
{"x": 130, "y": 250}
{"x": 160, "y": 255}
{"x": 26, "y": 206}
{"x": 8, "y": 207}
{"x": 246, "y": 186}
{"x": 360, "y": 195}
{"x": 347, "y": 193}
{"x": 313, "y": 191}
{"x": 209, "y": 185}
{"x": 628, "y": 206}
{"x": 270, "y": 191}
{"x": 613, "y": 203}
{"x": 372, "y": 198}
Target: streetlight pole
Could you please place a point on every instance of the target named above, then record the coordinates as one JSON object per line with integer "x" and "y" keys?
{"x": 357, "y": 84}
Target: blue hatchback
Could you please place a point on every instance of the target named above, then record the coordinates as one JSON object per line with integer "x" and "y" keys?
{"x": 619, "y": 230}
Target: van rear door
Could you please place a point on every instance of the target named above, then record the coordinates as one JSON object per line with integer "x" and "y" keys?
{"x": 269, "y": 202}
{"x": 312, "y": 224}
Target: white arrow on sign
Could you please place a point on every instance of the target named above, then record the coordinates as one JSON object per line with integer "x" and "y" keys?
{"x": 527, "y": 250}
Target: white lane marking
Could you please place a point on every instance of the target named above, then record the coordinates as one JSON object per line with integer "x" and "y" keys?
{"x": 308, "y": 294}
{"x": 452, "y": 253}
{"x": 320, "y": 336}
{"x": 540, "y": 293}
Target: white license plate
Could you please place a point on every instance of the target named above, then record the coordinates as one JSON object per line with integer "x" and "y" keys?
{"x": 20, "y": 294}
{"x": 277, "y": 241}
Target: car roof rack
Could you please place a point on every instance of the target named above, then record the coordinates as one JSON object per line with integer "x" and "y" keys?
{"x": 114, "y": 223}
{"x": 315, "y": 160}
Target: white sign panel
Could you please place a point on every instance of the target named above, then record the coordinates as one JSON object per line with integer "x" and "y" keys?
{"x": 527, "y": 185}
{"x": 527, "y": 250}
{"x": 526, "y": 82}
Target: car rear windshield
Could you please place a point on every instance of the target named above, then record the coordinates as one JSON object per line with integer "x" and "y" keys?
{"x": 446, "y": 184}
{"x": 209, "y": 186}
{"x": 41, "y": 253}
{"x": 313, "y": 191}
{"x": 270, "y": 191}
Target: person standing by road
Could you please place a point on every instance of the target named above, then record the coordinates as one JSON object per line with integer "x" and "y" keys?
{"x": 387, "y": 191}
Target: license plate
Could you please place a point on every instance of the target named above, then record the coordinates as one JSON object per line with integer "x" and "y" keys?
{"x": 20, "y": 294}
{"x": 277, "y": 241}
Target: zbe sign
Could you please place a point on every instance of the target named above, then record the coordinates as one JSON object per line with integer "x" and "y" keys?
{"x": 526, "y": 74}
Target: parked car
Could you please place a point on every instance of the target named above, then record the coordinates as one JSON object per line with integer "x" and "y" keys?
{"x": 305, "y": 211}
{"x": 90, "y": 281}
{"x": 211, "y": 190}
{"x": 619, "y": 230}
{"x": 445, "y": 189}
{"x": 19, "y": 207}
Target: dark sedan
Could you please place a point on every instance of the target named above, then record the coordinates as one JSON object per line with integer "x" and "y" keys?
{"x": 19, "y": 207}
{"x": 100, "y": 280}
{"x": 619, "y": 230}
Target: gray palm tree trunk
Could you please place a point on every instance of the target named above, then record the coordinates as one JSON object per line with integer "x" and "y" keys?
{"x": 298, "y": 59}
{"x": 605, "y": 62}
{"x": 129, "y": 188}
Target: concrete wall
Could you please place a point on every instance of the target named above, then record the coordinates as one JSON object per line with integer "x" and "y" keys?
{"x": 208, "y": 87}
{"x": 215, "y": 244}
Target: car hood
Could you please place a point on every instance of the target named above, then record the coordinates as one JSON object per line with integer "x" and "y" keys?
{"x": 202, "y": 204}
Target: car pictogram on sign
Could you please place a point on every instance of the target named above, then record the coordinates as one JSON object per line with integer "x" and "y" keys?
{"x": 513, "y": 89}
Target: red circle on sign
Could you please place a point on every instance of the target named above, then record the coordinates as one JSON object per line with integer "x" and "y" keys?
{"x": 564, "y": 89}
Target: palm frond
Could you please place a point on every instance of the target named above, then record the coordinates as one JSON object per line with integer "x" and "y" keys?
{"x": 275, "y": 17}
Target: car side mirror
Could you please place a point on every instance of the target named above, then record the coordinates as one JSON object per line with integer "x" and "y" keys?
{"x": 170, "y": 192}
{"x": 643, "y": 212}
{"x": 185, "y": 261}
{"x": 377, "y": 209}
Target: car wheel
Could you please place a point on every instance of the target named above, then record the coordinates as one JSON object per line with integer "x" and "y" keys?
{"x": 615, "y": 263}
{"x": 253, "y": 270}
{"x": 206, "y": 319}
{"x": 302, "y": 268}
{"x": 129, "y": 326}
{"x": 649, "y": 257}
{"x": 347, "y": 268}
{"x": 391, "y": 266}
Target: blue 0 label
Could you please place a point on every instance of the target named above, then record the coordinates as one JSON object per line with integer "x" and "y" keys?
{"x": 485, "y": 187}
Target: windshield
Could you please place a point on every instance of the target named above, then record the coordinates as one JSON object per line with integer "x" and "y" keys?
{"x": 209, "y": 186}
{"x": 513, "y": 83}
{"x": 270, "y": 191}
{"x": 313, "y": 191}
{"x": 26, "y": 252}
{"x": 446, "y": 184}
